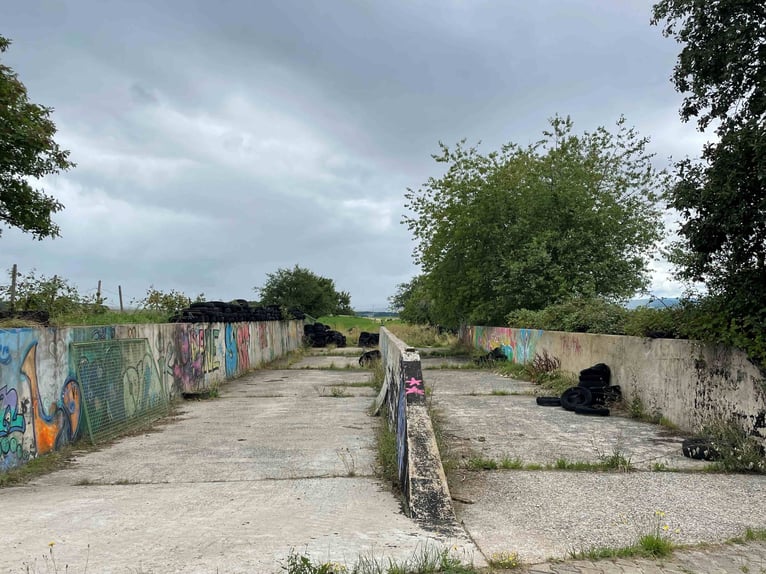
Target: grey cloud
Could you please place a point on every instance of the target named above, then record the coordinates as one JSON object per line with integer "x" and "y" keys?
{"x": 232, "y": 138}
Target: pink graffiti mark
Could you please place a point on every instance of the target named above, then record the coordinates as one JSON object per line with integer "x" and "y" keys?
{"x": 413, "y": 387}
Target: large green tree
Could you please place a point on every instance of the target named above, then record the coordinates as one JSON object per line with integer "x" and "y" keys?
{"x": 302, "y": 288}
{"x": 412, "y": 302}
{"x": 525, "y": 227}
{"x": 27, "y": 150}
{"x": 721, "y": 71}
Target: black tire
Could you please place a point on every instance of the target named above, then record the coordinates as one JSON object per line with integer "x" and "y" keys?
{"x": 548, "y": 401}
{"x": 576, "y": 397}
{"x": 699, "y": 449}
{"x": 592, "y": 411}
{"x": 591, "y": 385}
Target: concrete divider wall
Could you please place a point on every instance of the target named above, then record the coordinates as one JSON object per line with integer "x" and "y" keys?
{"x": 421, "y": 475}
{"x": 42, "y": 398}
{"x": 688, "y": 382}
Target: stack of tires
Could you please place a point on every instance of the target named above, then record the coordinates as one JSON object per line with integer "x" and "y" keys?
{"x": 319, "y": 335}
{"x": 235, "y": 311}
{"x": 368, "y": 339}
{"x": 590, "y": 396}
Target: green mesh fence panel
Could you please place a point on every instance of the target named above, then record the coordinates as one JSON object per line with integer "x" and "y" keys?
{"x": 121, "y": 387}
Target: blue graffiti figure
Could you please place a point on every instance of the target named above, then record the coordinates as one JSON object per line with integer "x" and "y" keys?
{"x": 5, "y": 355}
{"x": 231, "y": 350}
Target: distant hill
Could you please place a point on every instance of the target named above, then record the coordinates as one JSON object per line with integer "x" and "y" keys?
{"x": 655, "y": 303}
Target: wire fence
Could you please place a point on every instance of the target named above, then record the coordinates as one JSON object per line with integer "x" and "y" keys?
{"x": 121, "y": 387}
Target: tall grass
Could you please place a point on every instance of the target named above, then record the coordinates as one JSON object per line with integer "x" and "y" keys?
{"x": 421, "y": 335}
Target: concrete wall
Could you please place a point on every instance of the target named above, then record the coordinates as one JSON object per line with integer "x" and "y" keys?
{"x": 688, "y": 382}
{"x": 42, "y": 394}
{"x": 421, "y": 475}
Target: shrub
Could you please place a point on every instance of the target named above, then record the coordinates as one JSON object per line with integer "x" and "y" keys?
{"x": 656, "y": 323}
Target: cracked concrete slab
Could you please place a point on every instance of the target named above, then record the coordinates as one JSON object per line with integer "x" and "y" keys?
{"x": 546, "y": 514}
{"x": 232, "y": 484}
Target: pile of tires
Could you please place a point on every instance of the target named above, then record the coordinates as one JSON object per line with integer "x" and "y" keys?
{"x": 319, "y": 335}
{"x": 590, "y": 396}
{"x": 235, "y": 311}
{"x": 368, "y": 339}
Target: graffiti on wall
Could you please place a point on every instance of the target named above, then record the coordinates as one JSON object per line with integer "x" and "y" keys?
{"x": 517, "y": 344}
{"x": 60, "y": 384}
{"x": 119, "y": 382}
{"x": 237, "y": 348}
{"x": 30, "y": 427}
{"x": 192, "y": 354}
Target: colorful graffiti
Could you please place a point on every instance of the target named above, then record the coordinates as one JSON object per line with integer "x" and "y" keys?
{"x": 193, "y": 354}
{"x": 237, "y": 339}
{"x": 517, "y": 344}
{"x": 57, "y": 384}
{"x": 23, "y": 410}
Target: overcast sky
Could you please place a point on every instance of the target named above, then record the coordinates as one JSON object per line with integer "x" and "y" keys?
{"x": 218, "y": 141}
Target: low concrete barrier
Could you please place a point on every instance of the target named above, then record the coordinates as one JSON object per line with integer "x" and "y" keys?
{"x": 57, "y": 383}
{"x": 688, "y": 382}
{"x": 403, "y": 398}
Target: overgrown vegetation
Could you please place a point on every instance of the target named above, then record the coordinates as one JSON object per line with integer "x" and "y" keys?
{"x": 652, "y": 542}
{"x": 429, "y": 559}
{"x": 422, "y": 335}
{"x": 544, "y": 370}
{"x": 736, "y": 451}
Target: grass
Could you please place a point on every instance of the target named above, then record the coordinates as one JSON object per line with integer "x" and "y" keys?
{"x": 49, "y": 462}
{"x": 654, "y": 543}
{"x": 504, "y": 560}
{"x": 614, "y": 462}
{"x": 422, "y": 335}
{"x": 110, "y": 317}
{"x": 387, "y": 468}
{"x": 425, "y": 560}
{"x": 500, "y": 392}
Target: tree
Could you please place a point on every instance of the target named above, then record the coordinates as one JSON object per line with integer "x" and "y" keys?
{"x": 171, "y": 302}
{"x": 54, "y": 295}
{"x": 411, "y": 302}
{"x": 301, "y": 288}
{"x": 526, "y": 227}
{"x": 721, "y": 70}
{"x": 27, "y": 150}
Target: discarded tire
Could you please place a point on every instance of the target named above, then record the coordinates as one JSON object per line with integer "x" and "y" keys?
{"x": 369, "y": 357}
{"x": 576, "y": 397}
{"x": 699, "y": 449}
{"x": 598, "y": 373}
{"x": 548, "y": 401}
{"x": 592, "y": 411}
{"x": 603, "y": 395}
{"x": 494, "y": 355}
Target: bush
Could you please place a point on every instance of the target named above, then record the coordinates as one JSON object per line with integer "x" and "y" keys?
{"x": 656, "y": 323}
{"x": 582, "y": 315}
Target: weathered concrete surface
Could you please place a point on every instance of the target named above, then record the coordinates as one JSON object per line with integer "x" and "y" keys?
{"x": 231, "y": 486}
{"x": 421, "y": 476}
{"x": 689, "y": 382}
{"x": 543, "y": 514}
{"x": 718, "y": 559}
{"x": 513, "y": 426}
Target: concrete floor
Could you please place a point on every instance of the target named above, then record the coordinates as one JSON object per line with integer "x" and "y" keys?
{"x": 547, "y": 513}
{"x": 230, "y": 485}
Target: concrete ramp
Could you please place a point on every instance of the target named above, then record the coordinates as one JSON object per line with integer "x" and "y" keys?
{"x": 282, "y": 461}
